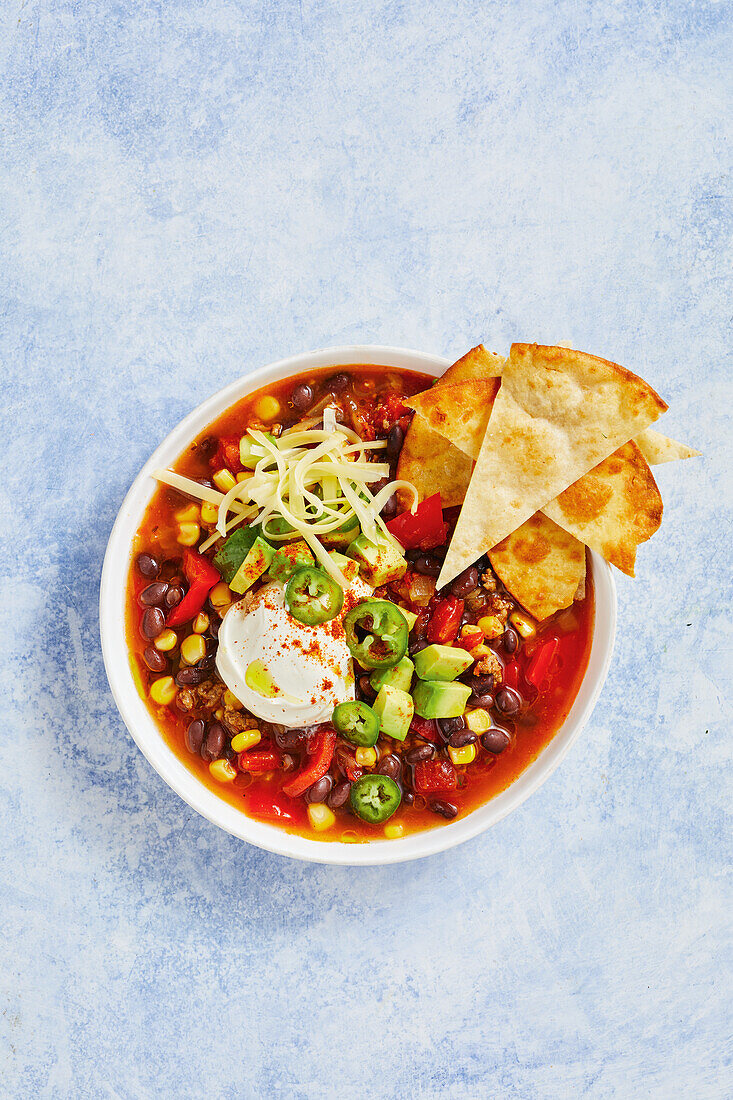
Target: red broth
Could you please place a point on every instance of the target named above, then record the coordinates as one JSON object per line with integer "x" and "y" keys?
{"x": 490, "y": 774}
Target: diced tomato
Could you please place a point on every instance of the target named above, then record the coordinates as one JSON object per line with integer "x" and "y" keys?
{"x": 435, "y": 775}
{"x": 445, "y": 620}
{"x": 426, "y": 728}
{"x": 259, "y": 760}
{"x": 273, "y": 807}
{"x": 201, "y": 576}
{"x": 319, "y": 760}
{"x": 227, "y": 455}
{"x": 542, "y": 661}
{"x": 425, "y": 529}
{"x": 471, "y": 636}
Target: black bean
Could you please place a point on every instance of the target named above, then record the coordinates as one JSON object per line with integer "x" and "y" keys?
{"x": 206, "y": 663}
{"x": 428, "y": 567}
{"x": 510, "y": 639}
{"x": 214, "y": 625}
{"x": 188, "y": 677}
{"x": 508, "y": 700}
{"x": 482, "y": 699}
{"x": 195, "y": 735}
{"x": 153, "y": 621}
{"x": 390, "y": 766}
{"x": 445, "y": 809}
{"x": 155, "y": 660}
{"x": 338, "y": 383}
{"x": 462, "y": 737}
{"x": 449, "y": 726}
{"x": 154, "y": 594}
{"x": 412, "y": 555}
{"x": 481, "y": 685}
{"x": 320, "y": 790}
{"x": 407, "y": 798}
{"x": 148, "y": 566}
{"x": 214, "y": 742}
{"x": 390, "y": 508}
{"x": 465, "y": 583}
{"x": 419, "y": 753}
{"x": 339, "y": 795}
{"x": 302, "y": 397}
{"x": 495, "y": 740}
{"x": 289, "y": 739}
{"x": 366, "y": 691}
{"x": 416, "y": 646}
{"x": 173, "y": 596}
{"x": 395, "y": 439}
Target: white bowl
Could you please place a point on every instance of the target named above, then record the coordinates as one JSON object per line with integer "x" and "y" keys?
{"x": 151, "y": 742}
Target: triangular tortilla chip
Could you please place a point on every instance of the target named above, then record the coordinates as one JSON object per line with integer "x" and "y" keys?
{"x": 459, "y": 412}
{"x": 433, "y": 466}
{"x": 478, "y": 364}
{"x": 657, "y": 448}
{"x": 558, "y": 414}
{"x": 612, "y": 508}
{"x": 541, "y": 565}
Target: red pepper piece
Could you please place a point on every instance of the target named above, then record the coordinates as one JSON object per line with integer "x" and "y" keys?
{"x": 201, "y": 576}
{"x": 319, "y": 760}
{"x": 541, "y": 662}
{"x": 511, "y": 674}
{"x": 227, "y": 455}
{"x": 424, "y": 529}
{"x": 427, "y": 728}
{"x": 471, "y": 636}
{"x": 259, "y": 760}
{"x": 435, "y": 775}
{"x": 273, "y": 807}
{"x": 446, "y": 619}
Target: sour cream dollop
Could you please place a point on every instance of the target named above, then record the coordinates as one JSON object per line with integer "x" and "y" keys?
{"x": 282, "y": 670}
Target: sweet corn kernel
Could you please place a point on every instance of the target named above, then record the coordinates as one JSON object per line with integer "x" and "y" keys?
{"x": 166, "y": 641}
{"x": 188, "y": 534}
{"x": 365, "y": 757}
{"x": 231, "y": 701}
{"x": 267, "y": 408}
{"x": 193, "y": 649}
{"x": 223, "y": 771}
{"x": 189, "y": 514}
{"x": 320, "y": 817}
{"x": 480, "y": 651}
{"x": 349, "y": 837}
{"x": 478, "y": 720}
{"x": 394, "y": 832}
{"x": 247, "y": 739}
{"x": 224, "y": 480}
{"x": 163, "y": 690}
{"x": 465, "y": 755}
{"x": 220, "y": 595}
{"x": 491, "y": 625}
{"x": 524, "y": 625}
{"x": 244, "y": 475}
{"x": 219, "y": 713}
{"x": 201, "y": 623}
{"x": 209, "y": 512}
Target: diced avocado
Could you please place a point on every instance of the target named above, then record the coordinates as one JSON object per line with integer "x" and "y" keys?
{"x": 410, "y": 616}
{"x": 441, "y": 662}
{"x": 251, "y": 451}
{"x": 379, "y": 562}
{"x": 440, "y": 698}
{"x": 342, "y": 536}
{"x": 276, "y": 526}
{"x": 348, "y": 566}
{"x": 399, "y": 677}
{"x": 288, "y": 558}
{"x": 254, "y": 565}
{"x": 232, "y": 553}
{"x": 395, "y": 709}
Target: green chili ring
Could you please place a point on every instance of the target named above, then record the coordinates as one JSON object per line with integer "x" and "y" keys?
{"x": 357, "y": 722}
{"x": 376, "y": 633}
{"x": 374, "y": 798}
{"x": 312, "y": 596}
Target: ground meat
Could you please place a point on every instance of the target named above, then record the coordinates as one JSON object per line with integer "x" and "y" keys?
{"x": 490, "y": 664}
{"x": 238, "y": 720}
{"x": 207, "y": 696}
{"x": 489, "y": 581}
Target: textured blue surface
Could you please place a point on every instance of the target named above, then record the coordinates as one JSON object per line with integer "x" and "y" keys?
{"x": 192, "y": 189}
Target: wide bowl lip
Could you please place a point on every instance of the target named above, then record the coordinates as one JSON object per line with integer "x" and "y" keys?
{"x": 184, "y": 782}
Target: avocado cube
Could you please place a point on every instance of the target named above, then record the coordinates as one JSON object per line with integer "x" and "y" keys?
{"x": 232, "y": 553}
{"x": 348, "y": 566}
{"x": 342, "y": 536}
{"x": 254, "y": 565}
{"x": 399, "y": 677}
{"x": 440, "y": 698}
{"x": 441, "y": 662}
{"x": 288, "y": 558}
{"x": 379, "y": 562}
{"x": 395, "y": 709}
{"x": 410, "y": 616}
{"x": 251, "y": 451}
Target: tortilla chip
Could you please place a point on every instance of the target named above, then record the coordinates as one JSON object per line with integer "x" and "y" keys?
{"x": 657, "y": 449}
{"x": 557, "y": 415}
{"x": 580, "y": 590}
{"x": 478, "y": 364}
{"x": 613, "y": 508}
{"x": 433, "y": 466}
{"x": 541, "y": 565}
{"x": 460, "y": 412}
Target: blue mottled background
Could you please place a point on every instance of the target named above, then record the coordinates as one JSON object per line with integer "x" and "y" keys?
{"x": 189, "y": 190}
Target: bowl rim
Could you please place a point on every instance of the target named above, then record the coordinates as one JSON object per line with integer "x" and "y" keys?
{"x": 184, "y": 782}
